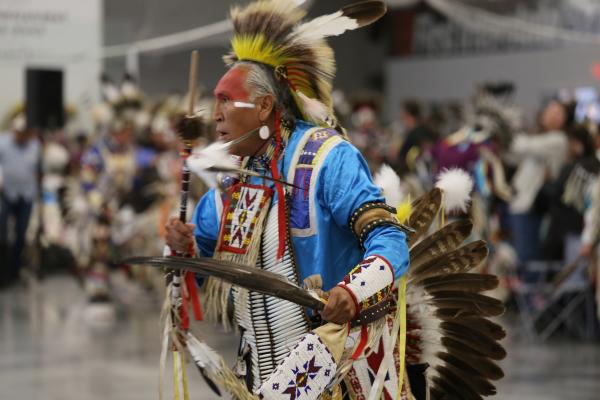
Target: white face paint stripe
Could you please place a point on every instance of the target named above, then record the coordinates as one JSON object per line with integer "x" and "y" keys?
{"x": 242, "y": 104}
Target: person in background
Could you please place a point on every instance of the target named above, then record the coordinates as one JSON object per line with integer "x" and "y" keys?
{"x": 417, "y": 136}
{"x": 368, "y": 136}
{"x": 78, "y": 148}
{"x": 540, "y": 158}
{"x": 590, "y": 235}
{"x": 565, "y": 195}
{"x": 19, "y": 162}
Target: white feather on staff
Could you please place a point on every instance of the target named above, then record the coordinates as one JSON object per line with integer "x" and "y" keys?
{"x": 457, "y": 185}
{"x": 389, "y": 182}
{"x": 203, "y": 355}
{"x": 213, "y": 156}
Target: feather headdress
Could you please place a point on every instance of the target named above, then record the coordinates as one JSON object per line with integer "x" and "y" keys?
{"x": 271, "y": 32}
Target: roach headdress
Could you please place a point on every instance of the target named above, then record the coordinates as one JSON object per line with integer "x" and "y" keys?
{"x": 271, "y": 32}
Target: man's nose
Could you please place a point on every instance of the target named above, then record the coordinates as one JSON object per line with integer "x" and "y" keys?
{"x": 217, "y": 113}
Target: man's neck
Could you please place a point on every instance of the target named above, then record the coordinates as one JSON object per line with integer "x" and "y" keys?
{"x": 267, "y": 150}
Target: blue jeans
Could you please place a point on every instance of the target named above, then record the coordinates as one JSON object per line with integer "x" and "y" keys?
{"x": 526, "y": 236}
{"x": 20, "y": 211}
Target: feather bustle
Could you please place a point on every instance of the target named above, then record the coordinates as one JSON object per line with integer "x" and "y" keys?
{"x": 466, "y": 384}
{"x": 462, "y": 305}
{"x": 461, "y": 260}
{"x": 482, "y": 325}
{"x": 446, "y": 239}
{"x": 465, "y": 282}
{"x": 473, "y": 366}
{"x": 485, "y": 366}
{"x": 460, "y": 347}
{"x": 451, "y": 388}
{"x": 424, "y": 211}
{"x": 484, "y": 344}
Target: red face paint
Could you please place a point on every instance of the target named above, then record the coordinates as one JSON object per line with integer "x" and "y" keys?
{"x": 232, "y": 85}
{"x": 233, "y": 122}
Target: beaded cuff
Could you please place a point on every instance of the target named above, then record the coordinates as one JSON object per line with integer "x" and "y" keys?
{"x": 370, "y": 282}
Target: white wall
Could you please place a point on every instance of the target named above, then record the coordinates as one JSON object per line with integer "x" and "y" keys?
{"x": 535, "y": 74}
{"x": 63, "y": 34}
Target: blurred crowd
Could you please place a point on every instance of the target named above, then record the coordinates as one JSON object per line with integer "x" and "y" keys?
{"x": 535, "y": 186}
{"x": 84, "y": 201}
{"x": 106, "y": 194}
{"x": 536, "y": 197}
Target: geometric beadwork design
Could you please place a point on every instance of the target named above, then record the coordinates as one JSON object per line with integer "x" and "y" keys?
{"x": 303, "y": 375}
{"x": 243, "y": 208}
{"x": 370, "y": 281}
{"x": 303, "y": 178}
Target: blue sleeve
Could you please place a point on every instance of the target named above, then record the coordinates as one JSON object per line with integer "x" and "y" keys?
{"x": 206, "y": 219}
{"x": 389, "y": 242}
{"x": 346, "y": 183}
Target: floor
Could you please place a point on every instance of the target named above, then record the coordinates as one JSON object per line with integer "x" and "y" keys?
{"x": 49, "y": 350}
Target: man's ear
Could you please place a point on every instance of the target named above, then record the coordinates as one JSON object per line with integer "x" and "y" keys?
{"x": 266, "y": 105}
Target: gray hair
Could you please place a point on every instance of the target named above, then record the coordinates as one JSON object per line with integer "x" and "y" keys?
{"x": 258, "y": 80}
{"x": 261, "y": 82}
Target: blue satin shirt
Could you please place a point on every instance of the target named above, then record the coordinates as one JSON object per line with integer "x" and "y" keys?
{"x": 322, "y": 239}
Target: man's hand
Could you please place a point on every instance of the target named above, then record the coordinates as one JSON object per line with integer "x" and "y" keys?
{"x": 180, "y": 236}
{"x": 340, "y": 307}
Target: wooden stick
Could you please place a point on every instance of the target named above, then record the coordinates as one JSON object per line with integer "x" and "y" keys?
{"x": 193, "y": 83}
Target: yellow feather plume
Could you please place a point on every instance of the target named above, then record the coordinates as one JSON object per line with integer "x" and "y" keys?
{"x": 256, "y": 48}
{"x": 404, "y": 210}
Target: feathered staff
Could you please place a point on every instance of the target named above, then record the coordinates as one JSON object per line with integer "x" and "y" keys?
{"x": 176, "y": 303}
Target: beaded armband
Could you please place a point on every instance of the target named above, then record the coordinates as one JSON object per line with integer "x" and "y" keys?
{"x": 372, "y": 215}
{"x": 370, "y": 282}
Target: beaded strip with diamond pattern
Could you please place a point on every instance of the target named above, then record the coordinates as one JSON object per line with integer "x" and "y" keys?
{"x": 370, "y": 282}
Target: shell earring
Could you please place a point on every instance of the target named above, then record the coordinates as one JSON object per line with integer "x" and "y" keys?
{"x": 264, "y": 132}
